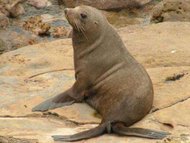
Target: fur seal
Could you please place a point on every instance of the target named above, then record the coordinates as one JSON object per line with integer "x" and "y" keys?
{"x": 108, "y": 78}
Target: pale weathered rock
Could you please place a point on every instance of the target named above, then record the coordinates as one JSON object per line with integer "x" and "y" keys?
{"x": 172, "y": 10}
{"x": 32, "y": 74}
{"x": 39, "y": 3}
{"x": 159, "y": 45}
{"x": 37, "y": 128}
{"x": 15, "y": 140}
{"x": 106, "y": 4}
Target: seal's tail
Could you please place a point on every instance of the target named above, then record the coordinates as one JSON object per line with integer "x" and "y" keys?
{"x": 121, "y": 129}
{"x": 60, "y": 100}
{"x": 83, "y": 135}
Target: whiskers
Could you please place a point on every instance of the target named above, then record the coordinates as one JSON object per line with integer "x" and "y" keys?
{"x": 78, "y": 26}
{"x": 83, "y": 32}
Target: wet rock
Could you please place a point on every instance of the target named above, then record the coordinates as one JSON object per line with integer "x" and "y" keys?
{"x": 39, "y": 3}
{"x": 106, "y": 4}
{"x": 171, "y": 10}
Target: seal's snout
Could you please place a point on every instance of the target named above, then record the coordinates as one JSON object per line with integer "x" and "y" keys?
{"x": 66, "y": 11}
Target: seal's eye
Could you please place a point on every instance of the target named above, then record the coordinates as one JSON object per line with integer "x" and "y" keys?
{"x": 83, "y": 15}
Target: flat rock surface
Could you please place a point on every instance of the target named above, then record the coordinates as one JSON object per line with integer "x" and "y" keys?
{"x": 34, "y": 73}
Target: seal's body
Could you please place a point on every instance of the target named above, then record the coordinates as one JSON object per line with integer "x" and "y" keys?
{"x": 108, "y": 78}
{"x": 121, "y": 89}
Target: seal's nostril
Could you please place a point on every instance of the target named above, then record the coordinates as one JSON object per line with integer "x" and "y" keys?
{"x": 66, "y": 10}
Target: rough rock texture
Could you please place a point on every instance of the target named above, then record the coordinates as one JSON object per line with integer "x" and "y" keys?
{"x": 12, "y": 8}
{"x": 106, "y": 4}
{"x": 4, "y": 21}
{"x": 31, "y": 74}
{"x": 171, "y": 10}
{"x": 15, "y": 140}
{"x": 3, "y": 46}
{"x": 39, "y": 3}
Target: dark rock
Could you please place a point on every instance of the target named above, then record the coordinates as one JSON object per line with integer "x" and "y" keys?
{"x": 171, "y": 10}
{"x": 16, "y": 11}
{"x": 106, "y": 4}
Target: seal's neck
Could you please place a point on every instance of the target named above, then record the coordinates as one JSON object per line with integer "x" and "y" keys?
{"x": 83, "y": 40}
{"x": 78, "y": 38}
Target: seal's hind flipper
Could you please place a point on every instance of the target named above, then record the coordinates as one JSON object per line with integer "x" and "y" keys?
{"x": 83, "y": 135}
{"x": 121, "y": 129}
{"x": 60, "y": 100}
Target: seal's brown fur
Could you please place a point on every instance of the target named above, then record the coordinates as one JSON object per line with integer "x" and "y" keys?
{"x": 108, "y": 78}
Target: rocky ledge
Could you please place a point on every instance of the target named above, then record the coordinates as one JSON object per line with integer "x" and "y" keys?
{"x": 34, "y": 73}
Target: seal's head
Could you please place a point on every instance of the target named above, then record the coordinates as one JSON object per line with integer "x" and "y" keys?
{"x": 86, "y": 21}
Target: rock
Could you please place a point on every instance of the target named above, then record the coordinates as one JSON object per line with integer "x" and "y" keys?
{"x": 38, "y": 129}
{"x": 37, "y": 26}
{"x": 156, "y": 47}
{"x": 14, "y": 39}
{"x": 58, "y": 32}
{"x": 106, "y": 4}
{"x": 32, "y": 74}
{"x": 15, "y": 140}
{"x": 39, "y": 4}
{"x": 12, "y": 8}
{"x": 4, "y": 21}
{"x": 16, "y": 11}
{"x": 171, "y": 10}
{"x": 3, "y": 9}
{"x": 3, "y": 46}
{"x": 180, "y": 107}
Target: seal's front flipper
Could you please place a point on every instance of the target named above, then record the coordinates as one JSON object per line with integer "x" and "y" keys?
{"x": 60, "y": 100}
{"x": 83, "y": 135}
{"x": 121, "y": 129}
